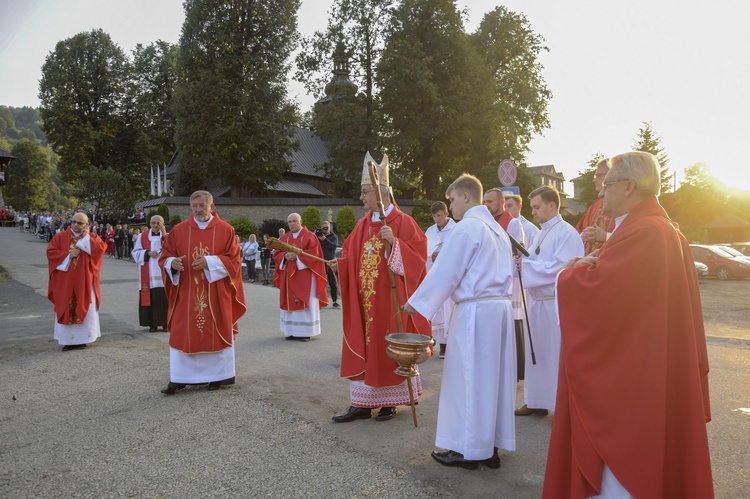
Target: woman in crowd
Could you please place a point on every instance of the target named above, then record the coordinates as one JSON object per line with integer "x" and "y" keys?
{"x": 109, "y": 238}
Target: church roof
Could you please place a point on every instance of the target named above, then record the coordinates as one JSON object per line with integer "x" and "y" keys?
{"x": 6, "y": 154}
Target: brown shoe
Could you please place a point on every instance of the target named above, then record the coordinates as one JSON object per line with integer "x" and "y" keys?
{"x": 526, "y": 411}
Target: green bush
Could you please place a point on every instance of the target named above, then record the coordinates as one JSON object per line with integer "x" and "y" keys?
{"x": 346, "y": 219}
{"x": 174, "y": 220}
{"x": 163, "y": 210}
{"x": 243, "y": 226}
{"x": 422, "y": 215}
{"x": 150, "y": 214}
{"x": 311, "y": 218}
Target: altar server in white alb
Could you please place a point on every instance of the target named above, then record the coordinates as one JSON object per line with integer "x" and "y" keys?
{"x": 152, "y": 298}
{"x": 436, "y": 237}
{"x": 556, "y": 244}
{"x": 478, "y": 391}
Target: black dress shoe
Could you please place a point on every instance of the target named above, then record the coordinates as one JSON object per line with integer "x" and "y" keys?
{"x": 353, "y": 413}
{"x": 493, "y": 462}
{"x": 453, "y": 458}
{"x": 214, "y": 385}
{"x": 302, "y": 338}
{"x": 172, "y": 388}
{"x": 152, "y": 330}
{"x": 385, "y": 413}
{"x": 67, "y": 348}
{"x": 289, "y": 338}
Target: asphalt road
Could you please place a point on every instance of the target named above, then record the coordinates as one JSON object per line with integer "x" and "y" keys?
{"x": 92, "y": 423}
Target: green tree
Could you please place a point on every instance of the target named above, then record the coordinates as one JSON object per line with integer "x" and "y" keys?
{"x": 243, "y": 226}
{"x": 232, "y": 116}
{"x": 103, "y": 189}
{"x": 350, "y": 49}
{"x": 648, "y": 141}
{"x": 154, "y": 76}
{"x": 510, "y": 50}
{"x": 436, "y": 95}
{"x": 27, "y": 187}
{"x": 311, "y": 218}
{"x": 346, "y": 219}
{"x": 83, "y": 91}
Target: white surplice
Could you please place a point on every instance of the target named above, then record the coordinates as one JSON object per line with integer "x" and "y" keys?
{"x": 139, "y": 256}
{"x": 558, "y": 242}
{"x": 435, "y": 240}
{"x": 478, "y": 390}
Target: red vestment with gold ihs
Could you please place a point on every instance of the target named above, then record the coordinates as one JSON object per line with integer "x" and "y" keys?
{"x": 70, "y": 291}
{"x": 595, "y": 216}
{"x": 293, "y": 283}
{"x": 368, "y": 308}
{"x": 203, "y": 316}
{"x": 633, "y": 384}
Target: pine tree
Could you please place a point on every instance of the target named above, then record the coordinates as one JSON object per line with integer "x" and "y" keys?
{"x": 648, "y": 141}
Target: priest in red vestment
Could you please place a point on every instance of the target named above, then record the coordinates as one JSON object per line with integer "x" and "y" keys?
{"x": 368, "y": 308}
{"x": 203, "y": 268}
{"x": 632, "y": 401}
{"x": 75, "y": 257}
{"x": 301, "y": 281}
{"x": 595, "y": 225}
{"x": 494, "y": 200}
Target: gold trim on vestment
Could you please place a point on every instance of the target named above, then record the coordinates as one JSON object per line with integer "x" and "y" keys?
{"x": 368, "y": 274}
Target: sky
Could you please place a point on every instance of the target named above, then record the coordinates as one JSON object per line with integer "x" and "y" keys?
{"x": 611, "y": 65}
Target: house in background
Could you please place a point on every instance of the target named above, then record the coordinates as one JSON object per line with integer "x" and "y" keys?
{"x": 548, "y": 175}
{"x": 725, "y": 229}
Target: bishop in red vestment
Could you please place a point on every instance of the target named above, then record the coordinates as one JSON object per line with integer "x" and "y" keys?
{"x": 74, "y": 257}
{"x": 632, "y": 400}
{"x": 368, "y": 308}
{"x": 301, "y": 281}
{"x": 203, "y": 267}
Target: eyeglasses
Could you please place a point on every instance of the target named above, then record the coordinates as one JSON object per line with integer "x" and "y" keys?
{"x": 612, "y": 182}
{"x": 365, "y": 193}
{"x": 77, "y": 222}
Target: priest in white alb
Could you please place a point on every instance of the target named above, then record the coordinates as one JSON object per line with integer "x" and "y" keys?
{"x": 478, "y": 391}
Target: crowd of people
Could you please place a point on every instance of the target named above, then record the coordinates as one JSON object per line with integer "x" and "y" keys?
{"x": 602, "y": 322}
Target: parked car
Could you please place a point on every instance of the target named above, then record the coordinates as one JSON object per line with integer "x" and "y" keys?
{"x": 701, "y": 269}
{"x": 743, "y": 248}
{"x": 721, "y": 263}
{"x": 734, "y": 252}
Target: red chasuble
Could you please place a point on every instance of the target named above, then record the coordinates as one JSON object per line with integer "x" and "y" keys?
{"x": 294, "y": 284}
{"x": 633, "y": 385}
{"x": 70, "y": 291}
{"x": 595, "y": 216}
{"x": 203, "y": 316}
{"x": 368, "y": 308}
{"x": 504, "y": 220}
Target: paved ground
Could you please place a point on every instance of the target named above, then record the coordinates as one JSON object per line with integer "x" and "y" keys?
{"x": 92, "y": 423}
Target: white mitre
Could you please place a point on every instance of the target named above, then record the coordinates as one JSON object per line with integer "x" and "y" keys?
{"x": 382, "y": 169}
